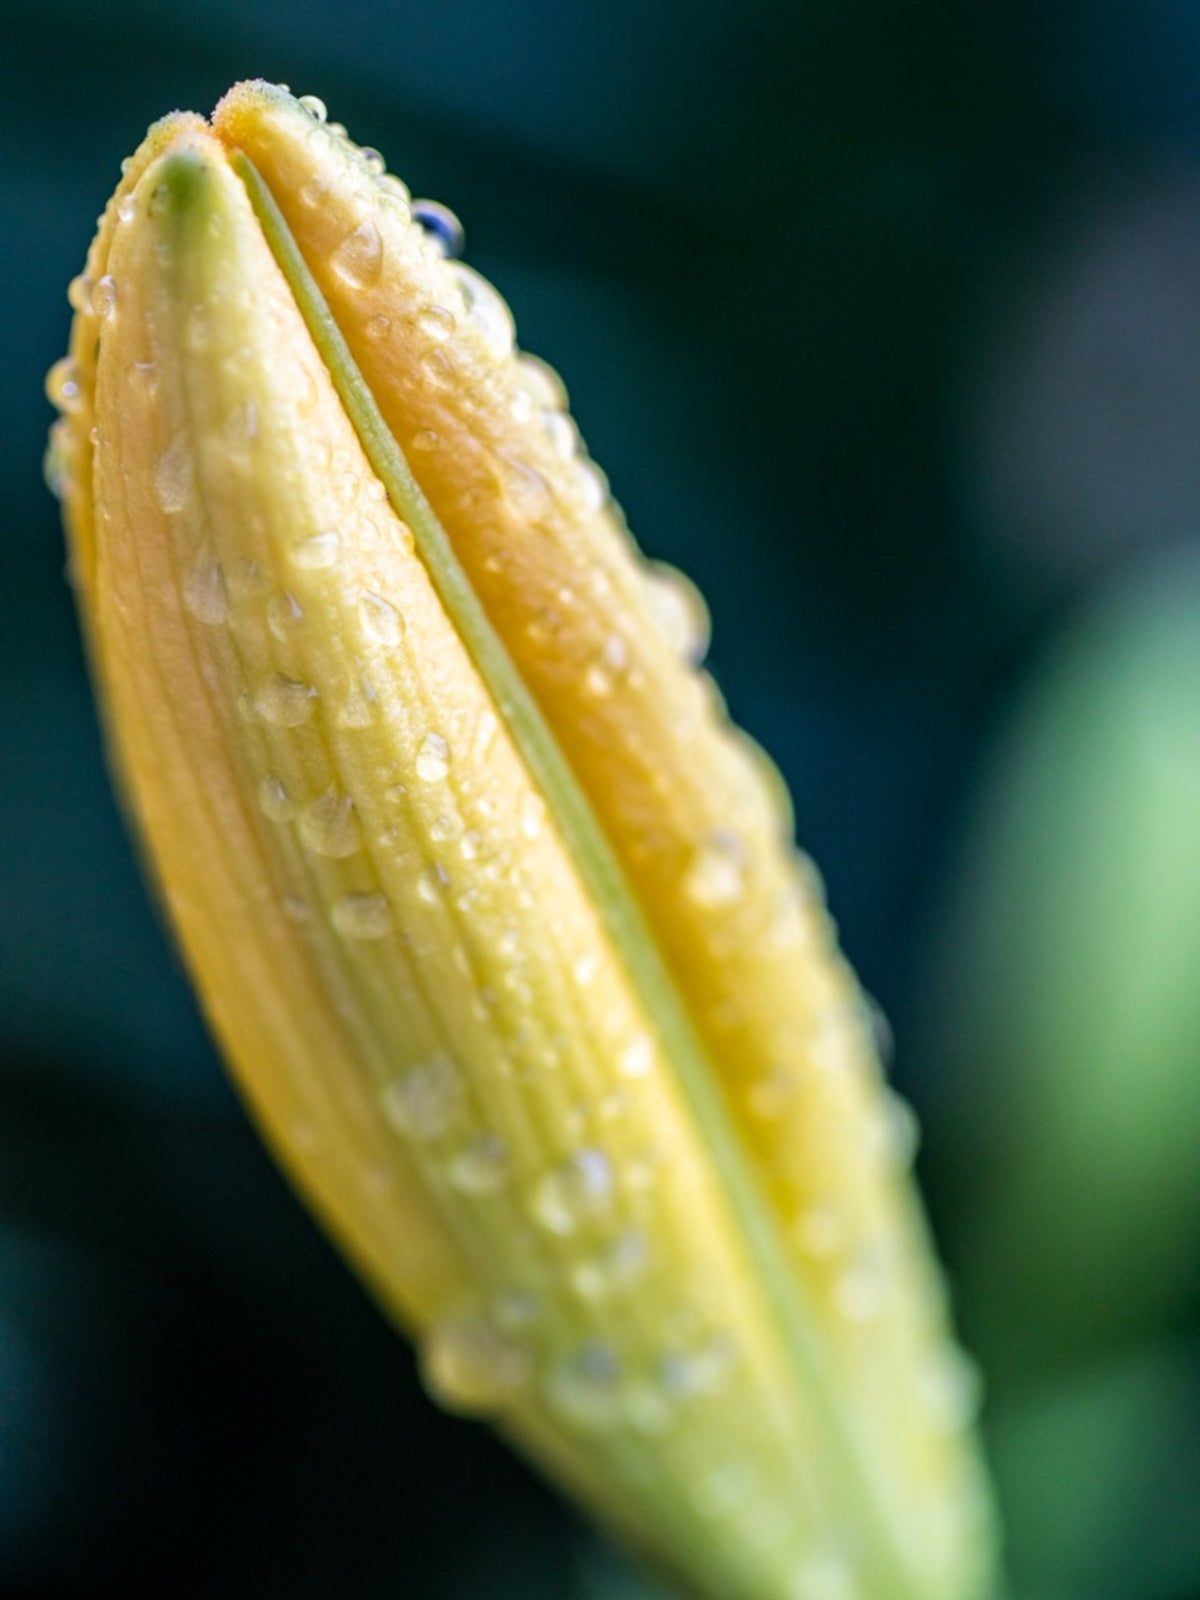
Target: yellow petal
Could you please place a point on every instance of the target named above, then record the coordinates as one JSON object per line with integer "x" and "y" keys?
{"x": 399, "y": 866}
{"x": 604, "y": 642}
{"x": 390, "y": 939}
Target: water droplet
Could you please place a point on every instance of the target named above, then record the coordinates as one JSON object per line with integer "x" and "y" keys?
{"x": 274, "y": 801}
{"x": 637, "y": 1057}
{"x": 592, "y": 485}
{"x": 55, "y": 461}
{"x": 600, "y": 677}
{"x": 487, "y": 313}
{"x": 363, "y": 916}
{"x": 485, "y": 733}
{"x": 470, "y": 1365}
{"x": 284, "y": 616}
{"x": 441, "y": 829}
{"x": 394, "y": 191}
{"x": 584, "y": 969}
{"x": 515, "y": 1309}
{"x": 357, "y": 710}
{"x": 423, "y": 441}
{"x": 575, "y": 1193}
{"x": 442, "y": 226}
{"x": 173, "y": 474}
{"x": 295, "y": 909}
{"x": 700, "y": 1370}
{"x": 315, "y": 107}
{"x": 359, "y": 258}
{"x": 896, "y": 1133}
{"x": 532, "y": 814}
{"x": 316, "y": 549}
{"x": 952, "y": 1389}
{"x": 585, "y": 1387}
{"x": 329, "y": 825}
{"x": 433, "y": 758}
{"x": 62, "y": 385}
{"x": 373, "y": 160}
{"x": 79, "y": 293}
{"x": 430, "y": 883}
{"x": 860, "y": 1286}
{"x": 313, "y": 192}
{"x": 678, "y": 608}
{"x": 470, "y": 843}
{"x": 615, "y": 1266}
{"x": 284, "y": 702}
{"x": 437, "y": 369}
{"x": 380, "y": 619}
{"x": 425, "y": 1101}
{"x": 564, "y": 437}
{"x": 204, "y": 592}
{"x": 435, "y": 323}
{"x": 480, "y": 1167}
{"x": 526, "y": 489}
{"x": 715, "y": 875}
{"x": 543, "y": 385}
{"x": 104, "y": 295}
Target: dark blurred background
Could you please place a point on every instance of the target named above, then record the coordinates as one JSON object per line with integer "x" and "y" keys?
{"x": 885, "y": 319}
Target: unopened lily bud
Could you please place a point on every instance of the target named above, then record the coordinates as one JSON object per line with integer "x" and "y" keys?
{"x": 494, "y": 915}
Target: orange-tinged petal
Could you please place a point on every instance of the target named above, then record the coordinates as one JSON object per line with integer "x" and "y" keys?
{"x": 390, "y": 936}
{"x": 604, "y": 642}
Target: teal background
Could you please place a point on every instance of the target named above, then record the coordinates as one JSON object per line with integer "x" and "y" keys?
{"x": 884, "y": 318}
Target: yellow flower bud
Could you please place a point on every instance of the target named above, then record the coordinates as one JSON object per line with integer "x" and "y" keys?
{"x": 494, "y": 915}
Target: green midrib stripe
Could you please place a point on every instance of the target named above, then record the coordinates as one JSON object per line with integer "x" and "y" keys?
{"x": 606, "y": 883}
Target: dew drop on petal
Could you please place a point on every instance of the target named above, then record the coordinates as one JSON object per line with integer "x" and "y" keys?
{"x": 564, "y": 437}
{"x": 679, "y": 610}
{"x": 425, "y": 1100}
{"x": 173, "y": 474}
{"x": 274, "y": 801}
{"x": 715, "y": 874}
{"x": 358, "y": 259}
{"x": 363, "y": 916}
{"x": 204, "y": 592}
{"x": 433, "y": 758}
{"x": 540, "y": 381}
{"x": 487, "y": 313}
{"x": 63, "y": 388}
{"x": 380, "y": 619}
{"x": 584, "y": 1387}
{"x": 952, "y": 1389}
{"x": 315, "y": 107}
{"x": 470, "y": 1365}
{"x": 435, "y": 323}
{"x": 574, "y": 1193}
{"x": 316, "y": 550}
{"x": 284, "y": 615}
{"x": 441, "y": 225}
{"x": 329, "y": 826}
{"x": 104, "y": 295}
{"x": 860, "y": 1288}
{"x": 615, "y": 1266}
{"x": 532, "y": 815}
{"x": 637, "y": 1057}
{"x": 284, "y": 702}
{"x": 480, "y": 1167}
